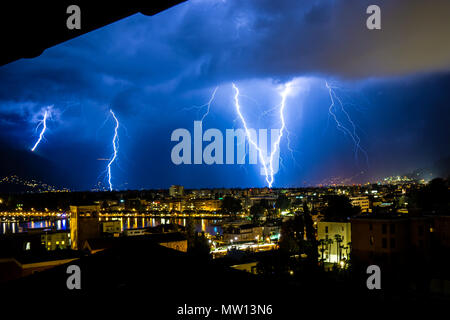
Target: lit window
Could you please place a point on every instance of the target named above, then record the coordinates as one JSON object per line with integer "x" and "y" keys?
{"x": 49, "y": 243}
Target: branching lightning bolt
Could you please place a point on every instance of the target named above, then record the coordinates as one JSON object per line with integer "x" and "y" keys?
{"x": 290, "y": 149}
{"x": 208, "y": 105}
{"x": 284, "y": 95}
{"x": 43, "y": 122}
{"x": 351, "y": 132}
{"x": 247, "y": 133}
{"x": 115, "y": 148}
{"x": 267, "y": 167}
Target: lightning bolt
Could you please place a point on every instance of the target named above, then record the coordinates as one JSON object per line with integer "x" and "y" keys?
{"x": 267, "y": 166}
{"x": 43, "y": 122}
{"x": 284, "y": 94}
{"x": 115, "y": 148}
{"x": 340, "y": 126}
{"x": 291, "y": 150}
{"x": 208, "y": 105}
{"x": 247, "y": 133}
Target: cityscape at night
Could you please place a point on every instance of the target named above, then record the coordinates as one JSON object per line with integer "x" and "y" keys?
{"x": 223, "y": 159}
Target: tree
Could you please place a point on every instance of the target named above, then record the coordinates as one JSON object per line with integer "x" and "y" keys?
{"x": 190, "y": 232}
{"x": 256, "y": 212}
{"x": 433, "y": 198}
{"x": 310, "y": 234}
{"x": 322, "y": 244}
{"x": 174, "y": 224}
{"x": 265, "y": 204}
{"x": 328, "y": 243}
{"x": 292, "y": 235}
{"x": 198, "y": 245}
{"x": 200, "y": 248}
{"x": 339, "y": 208}
{"x": 338, "y": 239}
{"x": 288, "y": 241}
{"x": 231, "y": 205}
{"x": 283, "y": 202}
{"x": 309, "y": 224}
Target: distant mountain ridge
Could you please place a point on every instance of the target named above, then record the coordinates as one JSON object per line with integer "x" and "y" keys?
{"x": 16, "y": 184}
{"x": 30, "y": 166}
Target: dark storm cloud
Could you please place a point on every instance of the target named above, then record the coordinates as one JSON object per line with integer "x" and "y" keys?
{"x": 200, "y": 42}
{"x": 263, "y": 38}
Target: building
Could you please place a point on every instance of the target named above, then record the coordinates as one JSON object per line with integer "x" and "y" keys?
{"x": 134, "y": 232}
{"x": 135, "y": 204}
{"x": 390, "y": 240}
{"x": 176, "y": 242}
{"x": 172, "y": 240}
{"x": 56, "y": 240}
{"x": 272, "y": 230}
{"x": 84, "y": 224}
{"x": 206, "y": 204}
{"x": 249, "y": 267}
{"x": 10, "y": 269}
{"x": 16, "y": 243}
{"x": 440, "y": 230}
{"x": 176, "y": 191}
{"x": 334, "y": 240}
{"x": 269, "y": 199}
{"x": 242, "y": 233}
{"x": 362, "y": 202}
{"x": 112, "y": 227}
{"x": 176, "y": 205}
{"x": 13, "y": 268}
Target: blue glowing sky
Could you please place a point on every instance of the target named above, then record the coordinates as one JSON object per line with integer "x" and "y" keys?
{"x": 151, "y": 71}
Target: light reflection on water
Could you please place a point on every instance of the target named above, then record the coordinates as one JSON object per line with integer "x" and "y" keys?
{"x": 205, "y": 225}
{"x": 17, "y": 227}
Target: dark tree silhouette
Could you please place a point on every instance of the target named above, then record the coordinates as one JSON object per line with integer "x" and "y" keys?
{"x": 190, "y": 232}
{"x": 200, "y": 248}
{"x": 288, "y": 240}
{"x": 432, "y": 198}
{"x": 256, "y": 212}
{"x": 283, "y": 202}
{"x": 339, "y": 208}
{"x": 265, "y": 204}
{"x": 231, "y": 205}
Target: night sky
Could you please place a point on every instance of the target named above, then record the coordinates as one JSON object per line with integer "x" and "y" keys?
{"x": 154, "y": 71}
